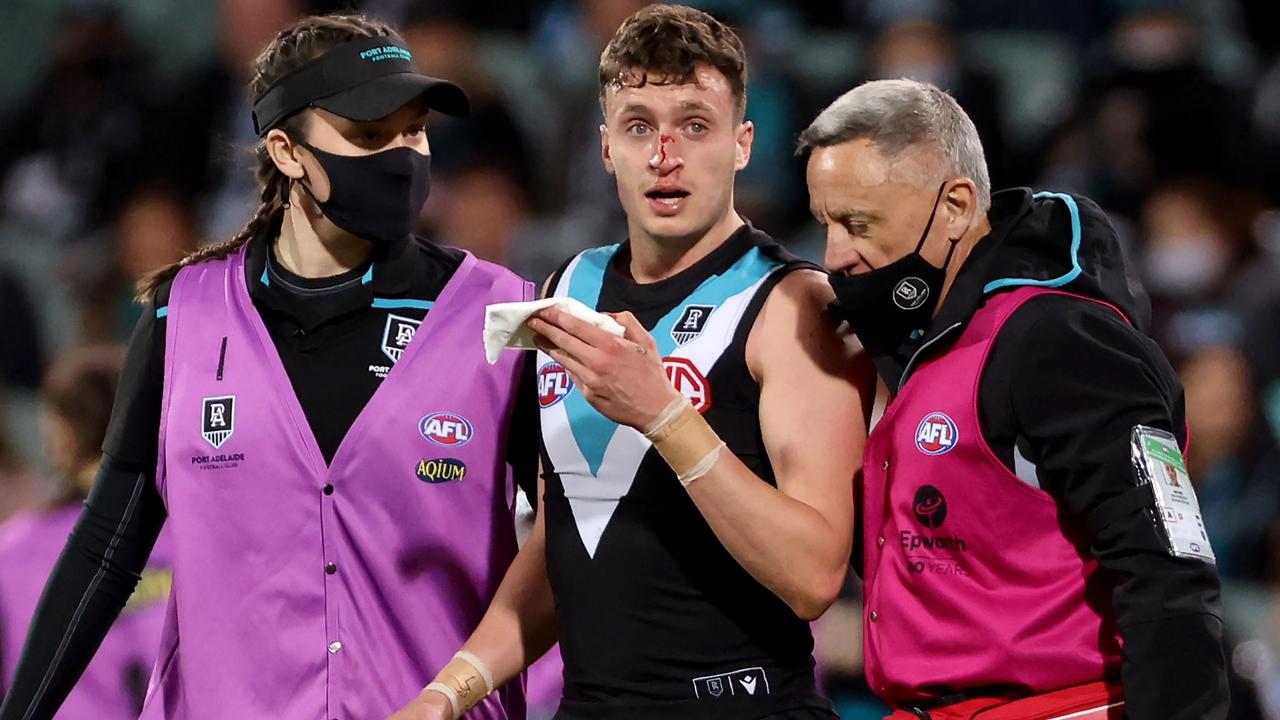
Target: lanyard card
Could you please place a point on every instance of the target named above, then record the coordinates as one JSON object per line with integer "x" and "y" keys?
{"x": 1158, "y": 463}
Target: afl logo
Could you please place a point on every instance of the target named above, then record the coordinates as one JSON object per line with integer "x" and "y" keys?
{"x": 910, "y": 293}
{"x": 937, "y": 434}
{"x": 445, "y": 429}
{"x": 930, "y": 506}
{"x": 553, "y": 384}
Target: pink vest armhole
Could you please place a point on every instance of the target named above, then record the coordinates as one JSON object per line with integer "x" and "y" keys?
{"x": 498, "y": 274}
{"x": 169, "y": 342}
{"x": 1015, "y": 304}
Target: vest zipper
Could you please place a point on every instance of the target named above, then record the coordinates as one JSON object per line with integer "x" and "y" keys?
{"x": 906, "y": 372}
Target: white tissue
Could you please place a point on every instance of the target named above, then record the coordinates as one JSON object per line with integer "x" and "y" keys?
{"x": 504, "y": 323}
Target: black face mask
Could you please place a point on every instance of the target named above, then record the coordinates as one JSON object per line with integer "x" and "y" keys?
{"x": 886, "y": 304}
{"x": 376, "y": 197}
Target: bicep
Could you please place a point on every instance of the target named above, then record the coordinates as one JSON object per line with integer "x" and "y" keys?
{"x": 813, "y": 383}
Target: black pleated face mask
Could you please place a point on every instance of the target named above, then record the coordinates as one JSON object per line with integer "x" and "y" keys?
{"x": 885, "y": 305}
{"x": 376, "y": 197}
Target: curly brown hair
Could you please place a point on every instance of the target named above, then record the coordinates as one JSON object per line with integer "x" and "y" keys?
{"x": 665, "y": 44}
{"x": 292, "y": 48}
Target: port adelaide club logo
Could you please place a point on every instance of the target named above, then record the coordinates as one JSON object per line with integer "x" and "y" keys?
{"x": 218, "y": 422}
{"x": 217, "y": 425}
{"x": 396, "y": 336}
{"x": 910, "y": 293}
{"x": 690, "y": 323}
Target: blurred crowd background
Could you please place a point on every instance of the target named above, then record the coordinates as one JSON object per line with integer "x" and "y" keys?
{"x": 125, "y": 142}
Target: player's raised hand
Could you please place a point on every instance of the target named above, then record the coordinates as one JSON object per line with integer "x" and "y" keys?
{"x": 622, "y": 377}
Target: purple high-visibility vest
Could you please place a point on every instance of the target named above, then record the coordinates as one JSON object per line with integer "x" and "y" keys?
{"x": 302, "y": 591}
{"x": 973, "y": 577}
{"x": 113, "y": 684}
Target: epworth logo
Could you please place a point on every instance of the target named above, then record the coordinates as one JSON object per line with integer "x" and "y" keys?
{"x": 218, "y": 419}
{"x": 932, "y": 554}
{"x": 689, "y": 380}
{"x": 930, "y": 506}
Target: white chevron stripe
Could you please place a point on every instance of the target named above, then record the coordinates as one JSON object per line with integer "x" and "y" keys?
{"x": 593, "y": 499}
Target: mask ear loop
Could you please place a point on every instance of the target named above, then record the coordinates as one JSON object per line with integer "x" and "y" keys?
{"x": 306, "y": 188}
{"x": 288, "y": 182}
{"x": 950, "y": 251}
{"x": 929, "y": 225}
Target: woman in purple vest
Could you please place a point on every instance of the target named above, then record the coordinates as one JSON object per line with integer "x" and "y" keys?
{"x": 306, "y": 410}
{"x": 76, "y": 398}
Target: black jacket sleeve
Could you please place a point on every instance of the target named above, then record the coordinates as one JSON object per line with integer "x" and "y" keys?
{"x": 1066, "y": 382}
{"x": 108, "y": 548}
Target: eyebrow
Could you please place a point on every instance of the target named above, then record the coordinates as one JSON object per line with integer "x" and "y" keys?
{"x": 688, "y": 106}
{"x": 634, "y": 109}
{"x": 696, "y": 106}
{"x": 846, "y": 215}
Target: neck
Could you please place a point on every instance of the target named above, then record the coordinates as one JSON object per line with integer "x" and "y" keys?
{"x": 654, "y": 259}
{"x": 964, "y": 246}
{"x": 312, "y": 247}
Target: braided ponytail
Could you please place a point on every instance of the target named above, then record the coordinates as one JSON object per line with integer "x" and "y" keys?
{"x": 292, "y": 48}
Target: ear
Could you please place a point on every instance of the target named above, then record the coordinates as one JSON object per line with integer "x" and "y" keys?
{"x": 284, "y": 153}
{"x": 746, "y": 135}
{"x": 604, "y": 149}
{"x": 961, "y": 206}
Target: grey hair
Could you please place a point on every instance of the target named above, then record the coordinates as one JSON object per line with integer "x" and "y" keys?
{"x": 897, "y": 115}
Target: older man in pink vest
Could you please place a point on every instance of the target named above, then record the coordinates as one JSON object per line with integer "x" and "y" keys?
{"x": 1025, "y": 555}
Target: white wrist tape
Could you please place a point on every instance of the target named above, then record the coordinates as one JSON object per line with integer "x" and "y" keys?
{"x": 666, "y": 416}
{"x": 448, "y": 692}
{"x": 702, "y": 467}
{"x": 684, "y": 439}
{"x": 460, "y": 681}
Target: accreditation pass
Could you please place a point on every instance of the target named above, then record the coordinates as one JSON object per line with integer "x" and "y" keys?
{"x": 1159, "y": 463}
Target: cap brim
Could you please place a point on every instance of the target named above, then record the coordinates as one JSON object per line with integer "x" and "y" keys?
{"x": 382, "y": 96}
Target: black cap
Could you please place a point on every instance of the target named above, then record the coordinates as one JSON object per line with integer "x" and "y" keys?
{"x": 364, "y": 79}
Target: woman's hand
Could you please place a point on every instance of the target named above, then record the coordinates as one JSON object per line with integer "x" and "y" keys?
{"x": 430, "y": 705}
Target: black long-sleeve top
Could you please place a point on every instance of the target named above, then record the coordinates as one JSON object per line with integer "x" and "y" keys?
{"x": 1066, "y": 381}
{"x": 330, "y": 341}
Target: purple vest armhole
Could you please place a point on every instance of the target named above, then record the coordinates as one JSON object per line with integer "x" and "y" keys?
{"x": 1016, "y": 299}
{"x": 170, "y": 339}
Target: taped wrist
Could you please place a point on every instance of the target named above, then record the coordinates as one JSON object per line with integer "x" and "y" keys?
{"x": 685, "y": 440}
{"x": 465, "y": 680}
